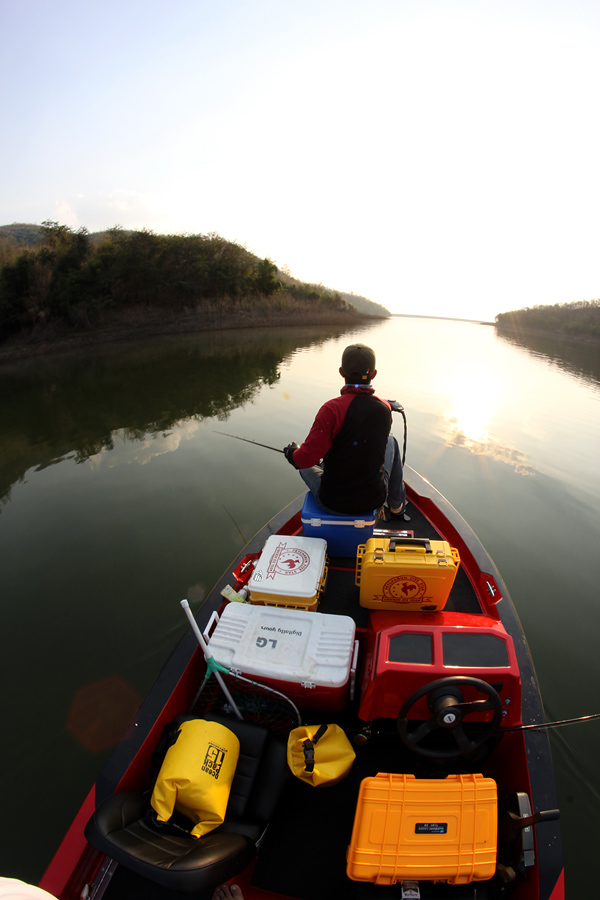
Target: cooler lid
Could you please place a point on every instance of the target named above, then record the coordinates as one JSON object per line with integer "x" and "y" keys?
{"x": 285, "y": 644}
{"x": 289, "y": 566}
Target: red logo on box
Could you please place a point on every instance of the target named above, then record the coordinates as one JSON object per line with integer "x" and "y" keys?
{"x": 287, "y": 561}
{"x": 403, "y": 589}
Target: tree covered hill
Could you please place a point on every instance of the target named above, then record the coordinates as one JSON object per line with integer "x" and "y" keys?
{"x": 364, "y": 305}
{"x": 53, "y": 274}
{"x": 139, "y": 264}
{"x": 579, "y": 319}
{"x": 21, "y": 234}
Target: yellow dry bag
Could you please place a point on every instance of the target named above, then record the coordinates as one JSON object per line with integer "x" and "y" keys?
{"x": 321, "y": 755}
{"x": 196, "y": 774}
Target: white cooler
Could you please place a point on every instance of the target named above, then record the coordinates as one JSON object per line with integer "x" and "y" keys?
{"x": 306, "y": 655}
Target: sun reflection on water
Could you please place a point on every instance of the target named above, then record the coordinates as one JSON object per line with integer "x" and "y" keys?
{"x": 467, "y": 423}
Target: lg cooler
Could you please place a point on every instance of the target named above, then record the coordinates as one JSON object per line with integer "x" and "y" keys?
{"x": 406, "y": 573}
{"x": 291, "y": 571}
{"x": 310, "y": 657}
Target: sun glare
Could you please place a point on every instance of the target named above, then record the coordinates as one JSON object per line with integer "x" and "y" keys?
{"x": 473, "y": 407}
{"x": 472, "y": 403}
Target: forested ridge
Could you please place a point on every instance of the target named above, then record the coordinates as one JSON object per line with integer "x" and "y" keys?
{"x": 53, "y": 274}
{"x": 578, "y": 319}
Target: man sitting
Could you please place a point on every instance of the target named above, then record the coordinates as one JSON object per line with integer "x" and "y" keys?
{"x": 361, "y": 465}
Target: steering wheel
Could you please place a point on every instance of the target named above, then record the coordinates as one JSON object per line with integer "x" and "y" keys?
{"x": 446, "y": 702}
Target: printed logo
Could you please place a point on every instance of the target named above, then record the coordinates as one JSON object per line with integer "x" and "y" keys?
{"x": 403, "y": 589}
{"x": 431, "y": 828}
{"x": 287, "y": 561}
{"x": 213, "y": 760}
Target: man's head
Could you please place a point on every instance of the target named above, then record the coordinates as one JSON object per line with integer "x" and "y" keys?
{"x": 358, "y": 364}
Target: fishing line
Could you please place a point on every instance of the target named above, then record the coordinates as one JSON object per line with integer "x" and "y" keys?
{"x": 265, "y": 687}
{"x": 236, "y": 524}
{"x": 558, "y": 724}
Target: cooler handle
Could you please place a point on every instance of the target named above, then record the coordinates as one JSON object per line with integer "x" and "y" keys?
{"x": 412, "y": 542}
{"x": 214, "y": 620}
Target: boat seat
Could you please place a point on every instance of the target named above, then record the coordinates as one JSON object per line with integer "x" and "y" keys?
{"x": 122, "y": 828}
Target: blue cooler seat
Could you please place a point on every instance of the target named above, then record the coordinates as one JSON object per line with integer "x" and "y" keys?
{"x": 342, "y": 533}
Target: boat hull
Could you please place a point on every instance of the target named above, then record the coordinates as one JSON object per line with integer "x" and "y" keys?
{"x": 520, "y": 761}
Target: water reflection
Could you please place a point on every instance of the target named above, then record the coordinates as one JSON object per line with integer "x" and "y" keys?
{"x": 481, "y": 442}
{"x": 475, "y": 399}
{"x": 76, "y": 407}
{"x": 142, "y": 448}
{"x": 580, "y": 358}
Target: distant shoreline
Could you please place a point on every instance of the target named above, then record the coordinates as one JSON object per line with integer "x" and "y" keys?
{"x": 441, "y": 318}
{"x": 137, "y": 324}
{"x": 505, "y": 330}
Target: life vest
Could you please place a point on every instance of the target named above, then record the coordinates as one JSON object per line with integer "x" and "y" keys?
{"x": 353, "y": 467}
{"x": 321, "y": 755}
{"x": 196, "y": 774}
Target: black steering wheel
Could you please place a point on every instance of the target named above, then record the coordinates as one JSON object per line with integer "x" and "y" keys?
{"x": 445, "y": 700}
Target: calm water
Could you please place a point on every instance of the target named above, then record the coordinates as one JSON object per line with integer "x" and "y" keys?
{"x": 119, "y": 498}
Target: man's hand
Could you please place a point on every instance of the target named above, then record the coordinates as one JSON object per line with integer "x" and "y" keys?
{"x": 289, "y": 453}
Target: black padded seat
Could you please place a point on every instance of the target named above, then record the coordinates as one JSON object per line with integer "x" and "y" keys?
{"x": 121, "y": 827}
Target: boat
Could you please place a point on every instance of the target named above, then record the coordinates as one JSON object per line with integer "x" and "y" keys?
{"x": 443, "y": 715}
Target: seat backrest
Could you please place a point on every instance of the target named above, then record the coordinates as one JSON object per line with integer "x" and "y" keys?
{"x": 254, "y": 746}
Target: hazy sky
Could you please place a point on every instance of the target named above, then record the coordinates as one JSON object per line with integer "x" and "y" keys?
{"x": 440, "y": 158}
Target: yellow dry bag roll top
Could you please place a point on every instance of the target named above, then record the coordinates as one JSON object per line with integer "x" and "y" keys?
{"x": 196, "y": 774}
{"x": 321, "y": 755}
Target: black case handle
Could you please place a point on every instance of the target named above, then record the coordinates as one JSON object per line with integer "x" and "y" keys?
{"x": 414, "y": 542}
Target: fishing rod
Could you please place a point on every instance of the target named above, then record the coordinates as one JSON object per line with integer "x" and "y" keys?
{"x": 248, "y": 441}
{"x": 397, "y": 407}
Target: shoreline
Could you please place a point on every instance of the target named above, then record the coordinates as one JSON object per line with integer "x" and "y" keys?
{"x": 135, "y": 325}
{"x": 544, "y": 333}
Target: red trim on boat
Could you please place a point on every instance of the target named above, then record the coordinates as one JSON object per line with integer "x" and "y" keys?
{"x": 68, "y": 857}
{"x": 559, "y": 888}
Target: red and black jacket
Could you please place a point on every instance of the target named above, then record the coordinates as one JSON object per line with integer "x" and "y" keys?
{"x": 350, "y": 435}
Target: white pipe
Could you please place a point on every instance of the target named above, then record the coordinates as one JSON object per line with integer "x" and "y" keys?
{"x": 208, "y": 655}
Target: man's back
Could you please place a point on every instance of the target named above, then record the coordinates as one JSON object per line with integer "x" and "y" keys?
{"x": 353, "y": 479}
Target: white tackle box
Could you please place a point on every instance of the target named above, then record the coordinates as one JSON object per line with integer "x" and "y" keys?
{"x": 291, "y": 571}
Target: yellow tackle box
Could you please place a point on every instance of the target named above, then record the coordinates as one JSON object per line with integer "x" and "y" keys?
{"x": 406, "y": 573}
{"x": 425, "y": 829}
